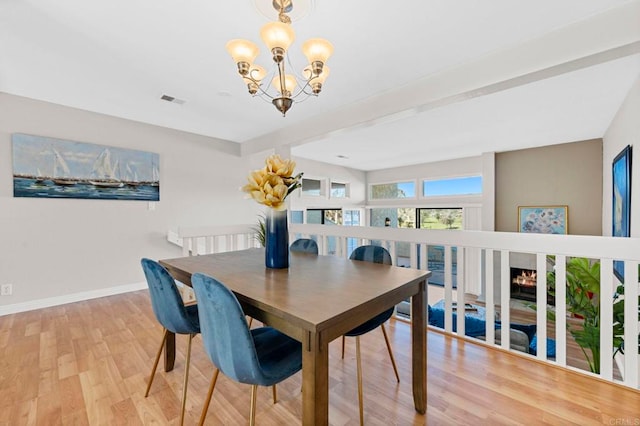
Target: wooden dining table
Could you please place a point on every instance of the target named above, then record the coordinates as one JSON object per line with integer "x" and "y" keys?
{"x": 315, "y": 300}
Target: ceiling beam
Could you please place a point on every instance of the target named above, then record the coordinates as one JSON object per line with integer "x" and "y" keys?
{"x": 602, "y": 38}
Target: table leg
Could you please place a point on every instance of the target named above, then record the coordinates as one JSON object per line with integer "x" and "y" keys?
{"x": 169, "y": 351}
{"x": 315, "y": 381}
{"x": 419, "y": 348}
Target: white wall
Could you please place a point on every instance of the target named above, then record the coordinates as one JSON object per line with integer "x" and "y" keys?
{"x": 624, "y": 130}
{"x": 56, "y": 247}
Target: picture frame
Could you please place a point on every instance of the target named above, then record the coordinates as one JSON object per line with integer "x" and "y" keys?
{"x": 543, "y": 219}
{"x": 621, "y": 202}
{"x": 45, "y": 167}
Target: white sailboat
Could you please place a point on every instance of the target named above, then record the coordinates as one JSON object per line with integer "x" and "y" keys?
{"x": 155, "y": 178}
{"x": 105, "y": 174}
{"x": 39, "y": 177}
{"x": 131, "y": 176}
{"x": 64, "y": 178}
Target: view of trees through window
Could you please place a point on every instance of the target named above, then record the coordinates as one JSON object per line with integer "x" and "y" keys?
{"x": 440, "y": 218}
{"x": 387, "y": 191}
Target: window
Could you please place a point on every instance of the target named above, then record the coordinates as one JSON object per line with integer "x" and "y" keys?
{"x": 440, "y": 218}
{"x": 386, "y": 191}
{"x": 351, "y": 218}
{"x": 396, "y": 218}
{"x": 471, "y": 185}
{"x": 326, "y": 217}
{"x": 339, "y": 190}
{"x": 297, "y": 216}
{"x": 311, "y": 187}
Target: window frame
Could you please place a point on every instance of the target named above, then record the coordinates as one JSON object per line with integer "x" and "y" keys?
{"x": 347, "y": 190}
{"x": 423, "y": 182}
{"x": 371, "y": 185}
{"x": 323, "y": 187}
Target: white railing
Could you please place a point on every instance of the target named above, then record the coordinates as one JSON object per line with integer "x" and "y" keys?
{"x": 478, "y": 256}
{"x": 214, "y": 239}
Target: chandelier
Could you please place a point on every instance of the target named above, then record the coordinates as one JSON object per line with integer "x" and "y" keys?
{"x": 283, "y": 88}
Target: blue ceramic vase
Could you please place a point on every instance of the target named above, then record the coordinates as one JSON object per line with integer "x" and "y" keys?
{"x": 276, "y": 239}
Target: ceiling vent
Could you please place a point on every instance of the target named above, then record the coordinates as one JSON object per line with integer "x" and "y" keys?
{"x": 172, "y": 99}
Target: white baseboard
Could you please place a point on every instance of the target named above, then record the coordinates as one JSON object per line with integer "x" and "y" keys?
{"x": 70, "y": 298}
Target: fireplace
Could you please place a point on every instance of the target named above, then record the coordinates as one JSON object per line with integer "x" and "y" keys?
{"x": 523, "y": 285}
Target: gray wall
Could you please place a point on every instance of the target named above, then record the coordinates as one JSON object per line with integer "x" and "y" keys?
{"x": 568, "y": 174}
{"x": 55, "y": 247}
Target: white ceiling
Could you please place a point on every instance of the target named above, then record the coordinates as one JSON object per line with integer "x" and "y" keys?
{"x": 118, "y": 57}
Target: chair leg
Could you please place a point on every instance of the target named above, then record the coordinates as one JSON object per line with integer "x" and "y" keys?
{"x": 254, "y": 395}
{"x": 359, "y": 364}
{"x": 250, "y": 321}
{"x": 186, "y": 380}
{"x": 155, "y": 364}
{"x": 275, "y": 395}
{"x": 209, "y": 395}
{"x": 393, "y": 360}
{"x": 342, "y": 347}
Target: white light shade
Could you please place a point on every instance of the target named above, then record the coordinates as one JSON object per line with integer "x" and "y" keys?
{"x": 242, "y": 51}
{"x": 317, "y": 49}
{"x": 289, "y": 82}
{"x": 277, "y": 34}
{"x": 257, "y": 73}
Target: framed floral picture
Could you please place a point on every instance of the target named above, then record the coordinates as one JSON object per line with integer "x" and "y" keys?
{"x": 621, "y": 206}
{"x": 543, "y": 219}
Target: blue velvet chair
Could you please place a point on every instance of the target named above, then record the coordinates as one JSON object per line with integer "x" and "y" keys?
{"x": 260, "y": 356}
{"x": 375, "y": 254}
{"x": 304, "y": 245}
{"x": 172, "y": 314}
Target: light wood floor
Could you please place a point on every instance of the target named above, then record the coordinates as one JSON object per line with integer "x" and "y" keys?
{"x": 88, "y": 362}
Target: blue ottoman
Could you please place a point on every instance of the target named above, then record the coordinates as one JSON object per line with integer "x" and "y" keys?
{"x": 551, "y": 347}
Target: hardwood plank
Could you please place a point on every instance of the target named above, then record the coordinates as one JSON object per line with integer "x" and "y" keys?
{"x": 468, "y": 383}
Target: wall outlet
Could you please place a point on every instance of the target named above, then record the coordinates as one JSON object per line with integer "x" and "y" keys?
{"x": 6, "y": 289}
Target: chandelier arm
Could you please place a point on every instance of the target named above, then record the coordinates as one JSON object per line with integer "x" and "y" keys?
{"x": 262, "y": 91}
{"x": 259, "y": 87}
{"x": 303, "y": 87}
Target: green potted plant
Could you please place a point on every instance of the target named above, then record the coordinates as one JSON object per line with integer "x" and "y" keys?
{"x": 583, "y": 290}
{"x": 260, "y": 230}
{"x": 583, "y": 301}
{"x": 618, "y": 320}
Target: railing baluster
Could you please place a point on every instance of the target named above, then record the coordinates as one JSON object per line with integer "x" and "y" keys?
{"x": 541, "y": 302}
{"x": 460, "y": 292}
{"x": 606, "y": 318}
{"x": 448, "y": 292}
{"x": 561, "y": 310}
{"x": 505, "y": 300}
{"x": 413, "y": 255}
{"x": 490, "y": 332}
{"x": 631, "y": 356}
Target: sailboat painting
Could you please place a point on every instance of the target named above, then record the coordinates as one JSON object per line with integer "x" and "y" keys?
{"x": 46, "y": 167}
